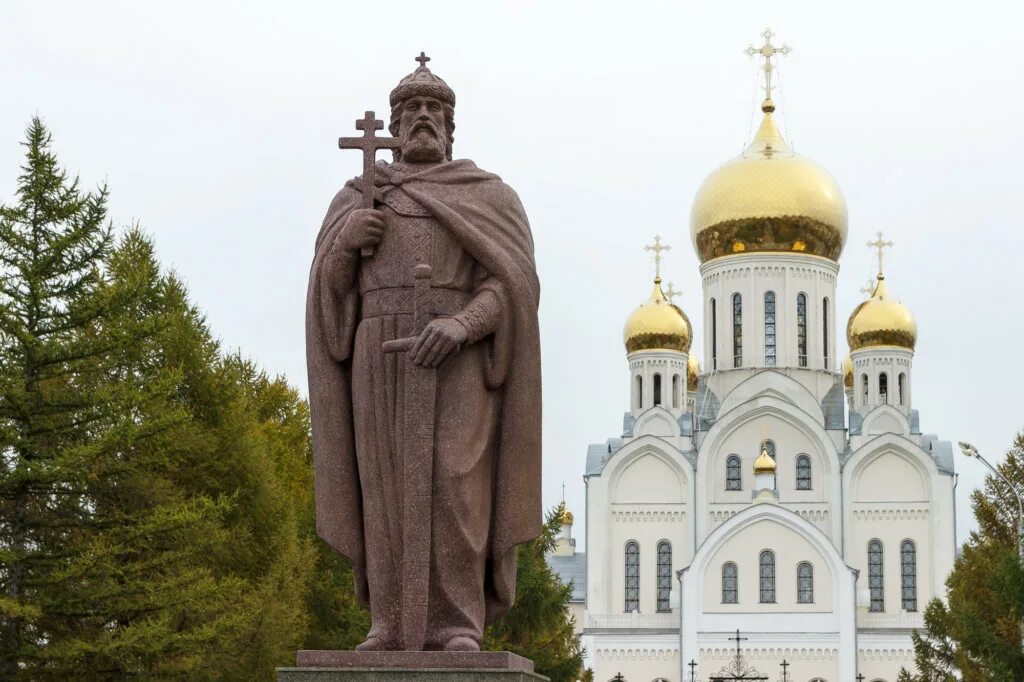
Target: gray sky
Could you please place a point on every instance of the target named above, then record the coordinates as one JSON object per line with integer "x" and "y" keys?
{"x": 216, "y": 126}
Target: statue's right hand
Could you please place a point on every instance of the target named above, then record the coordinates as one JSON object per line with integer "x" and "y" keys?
{"x": 363, "y": 229}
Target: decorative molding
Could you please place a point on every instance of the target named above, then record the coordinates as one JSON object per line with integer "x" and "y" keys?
{"x": 812, "y": 515}
{"x": 806, "y": 654}
{"x": 648, "y": 516}
{"x": 888, "y": 512}
{"x": 651, "y": 654}
{"x": 885, "y": 654}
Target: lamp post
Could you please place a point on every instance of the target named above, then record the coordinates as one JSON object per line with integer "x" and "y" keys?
{"x": 971, "y": 451}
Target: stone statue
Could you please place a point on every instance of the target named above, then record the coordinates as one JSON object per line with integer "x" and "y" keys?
{"x": 424, "y": 380}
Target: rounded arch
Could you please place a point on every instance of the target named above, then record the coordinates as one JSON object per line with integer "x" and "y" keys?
{"x": 619, "y": 465}
{"x": 772, "y": 383}
{"x": 889, "y": 444}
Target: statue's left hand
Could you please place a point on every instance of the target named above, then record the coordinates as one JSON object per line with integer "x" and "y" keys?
{"x": 439, "y": 338}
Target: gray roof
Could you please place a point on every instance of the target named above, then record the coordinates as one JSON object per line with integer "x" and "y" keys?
{"x": 572, "y": 568}
{"x": 598, "y": 454}
{"x": 832, "y": 406}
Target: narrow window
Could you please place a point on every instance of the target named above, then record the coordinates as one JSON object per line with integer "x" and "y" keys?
{"x": 903, "y": 388}
{"x": 824, "y": 330}
{"x": 729, "y": 584}
{"x": 864, "y": 381}
{"x": 664, "y": 576}
{"x": 767, "y": 577}
{"x": 768, "y": 445}
{"x": 801, "y": 329}
{"x": 883, "y": 388}
{"x": 639, "y": 391}
{"x": 908, "y": 575}
{"x": 737, "y": 331}
{"x": 803, "y": 472}
{"x": 714, "y": 335}
{"x": 632, "y": 577}
{"x": 732, "y": 473}
{"x": 875, "y": 576}
{"x": 769, "y": 329}
{"x": 805, "y": 583}
{"x": 657, "y": 390}
{"x": 675, "y": 391}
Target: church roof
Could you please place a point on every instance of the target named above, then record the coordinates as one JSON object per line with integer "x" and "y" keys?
{"x": 572, "y": 568}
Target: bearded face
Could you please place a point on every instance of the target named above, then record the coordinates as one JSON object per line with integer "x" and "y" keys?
{"x": 422, "y": 130}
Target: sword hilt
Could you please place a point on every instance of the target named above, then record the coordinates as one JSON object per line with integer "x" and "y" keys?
{"x": 420, "y": 310}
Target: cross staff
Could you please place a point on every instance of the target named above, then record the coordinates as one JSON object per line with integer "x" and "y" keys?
{"x": 369, "y": 143}
{"x": 879, "y": 245}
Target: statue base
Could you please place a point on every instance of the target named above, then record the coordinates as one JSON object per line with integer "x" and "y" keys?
{"x": 409, "y": 666}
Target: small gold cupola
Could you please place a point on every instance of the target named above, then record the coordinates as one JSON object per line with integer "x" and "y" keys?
{"x": 657, "y": 323}
{"x": 764, "y": 464}
{"x": 769, "y": 198}
{"x": 881, "y": 320}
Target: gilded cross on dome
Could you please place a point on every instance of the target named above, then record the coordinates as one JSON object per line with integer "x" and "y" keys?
{"x": 869, "y": 288}
{"x": 657, "y": 248}
{"x": 767, "y": 51}
{"x": 880, "y": 245}
{"x": 671, "y": 293}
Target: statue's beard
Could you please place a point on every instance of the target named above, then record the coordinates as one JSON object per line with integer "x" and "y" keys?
{"x": 424, "y": 143}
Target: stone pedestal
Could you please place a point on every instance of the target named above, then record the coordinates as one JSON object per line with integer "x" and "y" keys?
{"x": 409, "y": 666}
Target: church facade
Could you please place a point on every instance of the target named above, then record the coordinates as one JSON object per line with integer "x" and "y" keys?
{"x": 777, "y": 499}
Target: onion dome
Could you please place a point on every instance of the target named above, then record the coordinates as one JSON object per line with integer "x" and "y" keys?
{"x": 881, "y": 321}
{"x": 692, "y": 370}
{"x": 768, "y": 199}
{"x": 848, "y": 371}
{"x": 565, "y": 518}
{"x": 657, "y": 324}
{"x": 764, "y": 464}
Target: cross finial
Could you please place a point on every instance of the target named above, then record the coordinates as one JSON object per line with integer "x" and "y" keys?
{"x": 563, "y": 493}
{"x": 738, "y": 639}
{"x": 880, "y": 245}
{"x": 869, "y": 288}
{"x": 860, "y": 677}
{"x": 657, "y": 248}
{"x": 767, "y": 51}
{"x": 785, "y": 667}
{"x": 423, "y": 59}
{"x": 693, "y": 674}
{"x": 671, "y": 292}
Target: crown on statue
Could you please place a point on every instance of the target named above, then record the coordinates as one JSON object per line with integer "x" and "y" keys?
{"x": 422, "y": 82}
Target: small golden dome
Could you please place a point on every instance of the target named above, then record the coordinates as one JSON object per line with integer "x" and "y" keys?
{"x": 764, "y": 464}
{"x": 657, "y": 324}
{"x": 768, "y": 199}
{"x": 566, "y": 517}
{"x": 692, "y": 370}
{"x": 848, "y": 371}
{"x": 881, "y": 321}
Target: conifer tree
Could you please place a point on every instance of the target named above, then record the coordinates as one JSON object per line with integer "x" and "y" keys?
{"x": 974, "y": 635}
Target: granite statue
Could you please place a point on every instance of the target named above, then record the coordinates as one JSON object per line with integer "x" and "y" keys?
{"x": 423, "y": 355}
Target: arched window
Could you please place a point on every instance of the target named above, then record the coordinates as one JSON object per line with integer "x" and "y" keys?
{"x": 803, "y": 472}
{"x": 903, "y": 388}
{"x": 805, "y": 583}
{"x": 864, "y": 382}
{"x": 657, "y": 390}
{"x": 908, "y": 575}
{"x": 730, "y": 588}
{"x": 675, "y": 391}
{"x": 632, "y": 577}
{"x": 732, "y": 473}
{"x": 824, "y": 330}
{"x": 737, "y": 330}
{"x": 876, "y": 578}
{"x": 639, "y": 391}
{"x": 664, "y": 576}
{"x": 767, "y": 573}
{"x": 769, "y": 329}
{"x": 883, "y": 388}
{"x": 768, "y": 445}
{"x": 714, "y": 335}
{"x": 801, "y": 329}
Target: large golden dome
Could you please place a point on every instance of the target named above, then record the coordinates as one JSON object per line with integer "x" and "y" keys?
{"x": 768, "y": 199}
{"x": 881, "y": 321}
{"x": 657, "y": 324}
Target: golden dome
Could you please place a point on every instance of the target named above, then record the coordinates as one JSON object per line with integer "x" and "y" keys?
{"x": 692, "y": 370}
{"x": 848, "y": 371}
{"x": 768, "y": 199}
{"x": 881, "y": 321}
{"x": 565, "y": 518}
{"x": 764, "y": 464}
{"x": 657, "y": 324}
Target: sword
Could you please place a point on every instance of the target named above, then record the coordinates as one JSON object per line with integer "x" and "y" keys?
{"x": 418, "y": 471}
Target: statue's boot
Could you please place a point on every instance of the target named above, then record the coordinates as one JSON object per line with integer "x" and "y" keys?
{"x": 461, "y": 644}
{"x": 375, "y": 643}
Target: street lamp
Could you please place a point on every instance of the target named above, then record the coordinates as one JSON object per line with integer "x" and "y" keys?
{"x": 971, "y": 451}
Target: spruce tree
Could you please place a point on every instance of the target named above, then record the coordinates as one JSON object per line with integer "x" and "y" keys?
{"x": 974, "y": 635}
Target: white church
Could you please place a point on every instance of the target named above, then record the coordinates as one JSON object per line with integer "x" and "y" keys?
{"x": 765, "y": 500}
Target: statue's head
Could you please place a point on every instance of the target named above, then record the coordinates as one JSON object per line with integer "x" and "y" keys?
{"x": 423, "y": 116}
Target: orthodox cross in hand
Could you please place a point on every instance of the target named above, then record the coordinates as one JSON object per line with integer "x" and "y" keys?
{"x": 369, "y": 143}
{"x": 657, "y": 248}
{"x": 879, "y": 245}
{"x": 767, "y": 51}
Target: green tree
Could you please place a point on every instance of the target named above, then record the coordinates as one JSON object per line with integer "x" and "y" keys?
{"x": 975, "y": 635}
{"x": 539, "y": 625}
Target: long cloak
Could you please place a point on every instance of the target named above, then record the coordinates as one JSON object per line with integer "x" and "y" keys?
{"x": 487, "y": 219}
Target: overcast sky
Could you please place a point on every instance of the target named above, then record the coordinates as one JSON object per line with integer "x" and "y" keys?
{"x": 216, "y": 125}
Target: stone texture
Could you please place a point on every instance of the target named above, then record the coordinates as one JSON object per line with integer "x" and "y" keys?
{"x": 405, "y": 675}
{"x": 497, "y": 660}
